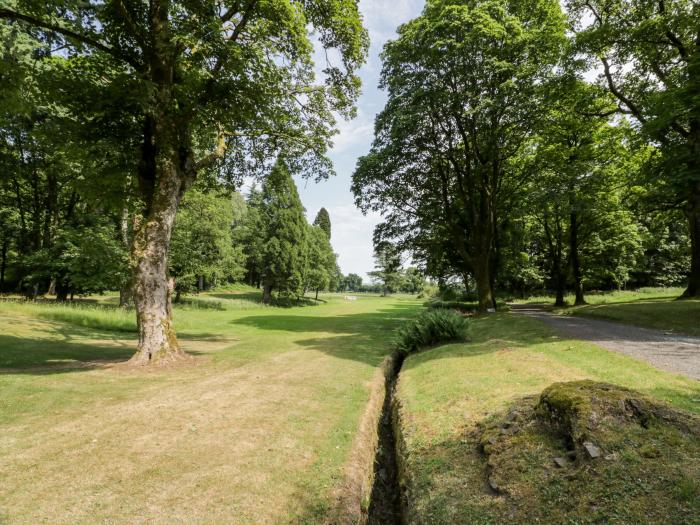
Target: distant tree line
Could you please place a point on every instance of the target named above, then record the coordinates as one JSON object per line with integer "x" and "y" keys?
{"x": 498, "y": 164}
{"x": 60, "y": 244}
{"x": 112, "y": 109}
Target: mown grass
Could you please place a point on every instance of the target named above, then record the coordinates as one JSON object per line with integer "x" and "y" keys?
{"x": 447, "y": 391}
{"x": 680, "y": 316}
{"x": 616, "y": 296}
{"x": 658, "y": 308}
{"x": 256, "y": 430}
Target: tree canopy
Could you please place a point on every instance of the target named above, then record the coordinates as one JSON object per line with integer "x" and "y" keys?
{"x": 184, "y": 89}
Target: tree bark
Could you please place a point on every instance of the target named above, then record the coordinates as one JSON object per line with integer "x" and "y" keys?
{"x": 555, "y": 245}
{"x": 126, "y": 295}
{"x": 3, "y": 263}
{"x": 482, "y": 275}
{"x": 267, "y": 293}
{"x": 152, "y": 289}
{"x": 575, "y": 260}
{"x": 692, "y": 212}
{"x": 559, "y": 281}
{"x": 62, "y": 291}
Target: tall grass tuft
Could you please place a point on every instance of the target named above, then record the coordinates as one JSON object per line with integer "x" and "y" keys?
{"x": 431, "y": 328}
{"x": 98, "y": 317}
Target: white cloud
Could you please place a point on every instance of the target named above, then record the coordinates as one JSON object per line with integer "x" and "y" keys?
{"x": 382, "y": 17}
{"x": 352, "y": 134}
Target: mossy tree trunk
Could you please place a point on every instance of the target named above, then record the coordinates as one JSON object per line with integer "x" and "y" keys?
{"x": 152, "y": 290}
{"x": 167, "y": 168}
{"x": 575, "y": 259}
{"x": 267, "y": 293}
{"x": 692, "y": 213}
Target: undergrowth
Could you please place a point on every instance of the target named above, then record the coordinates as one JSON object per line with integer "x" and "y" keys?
{"x": 431, "y": 328}
{"x": 463, "y": 306}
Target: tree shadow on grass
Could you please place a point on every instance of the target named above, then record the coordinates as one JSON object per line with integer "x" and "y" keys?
{"x": 57, "y": 348}
{"x": 252, "y": 297}
{"x": 365, "y": 337}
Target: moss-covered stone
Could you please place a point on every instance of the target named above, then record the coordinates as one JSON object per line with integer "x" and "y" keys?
{"x": 595, "y": 452}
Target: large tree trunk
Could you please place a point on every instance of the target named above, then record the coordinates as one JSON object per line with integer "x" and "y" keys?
{"x": 692, "y": 212}
{"x": 62, "y": 291}
{"x": 267, "y": 293}
{"x": 559, "y": 280}
{"x": 152, "y": 289}
{"x": 482, "y": 275}
{"x": 3, "y": 263}
{"x": 575, "y": 260}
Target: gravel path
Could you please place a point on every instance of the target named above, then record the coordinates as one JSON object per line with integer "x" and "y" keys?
{"x": 679, "y": 354}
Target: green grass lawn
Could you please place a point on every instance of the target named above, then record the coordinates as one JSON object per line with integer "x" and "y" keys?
{"x": 617, "y": 296}
{"x": 673, "y": 315}
{"x": 447, "y": 391}
{"x": 256, "y": 430}
{"x": 657, "y": 308}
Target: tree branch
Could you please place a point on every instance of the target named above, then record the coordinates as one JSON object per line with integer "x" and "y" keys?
{"x": 615, "y": 91}
{"x": 131, "y": 24}
{"x": 216, "y": 154}
{"x": 70, "y": 34}
{"x": 228, "y": 15}
{"x": 675, "y": 41}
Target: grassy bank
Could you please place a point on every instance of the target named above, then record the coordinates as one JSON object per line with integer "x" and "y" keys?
{"x": 679, "y": 316}
{"x": 446, "y": 392}
{"x": 256, "y": 430}
{"x": 612, "y": 297}
{"x": 658, "y": 308}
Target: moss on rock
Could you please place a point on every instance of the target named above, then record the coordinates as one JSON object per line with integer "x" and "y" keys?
{"x": 596, "y": 453}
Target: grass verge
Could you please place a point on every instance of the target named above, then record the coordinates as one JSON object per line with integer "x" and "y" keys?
{"x": 680, "y": 315}
{"x": 447, "y": 393}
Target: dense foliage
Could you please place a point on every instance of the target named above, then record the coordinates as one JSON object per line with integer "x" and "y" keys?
{"x": 497, "y": 164}
{"x": 431, "y": 328}
{"x": 156, "y": 96}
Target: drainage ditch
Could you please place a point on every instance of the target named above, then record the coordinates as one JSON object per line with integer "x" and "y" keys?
{"x": 385, "y": 501}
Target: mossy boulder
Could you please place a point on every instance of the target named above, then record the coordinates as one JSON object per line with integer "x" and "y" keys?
{"x": 594, "y": 453}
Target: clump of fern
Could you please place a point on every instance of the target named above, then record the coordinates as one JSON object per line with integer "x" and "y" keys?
{"x": 431, "y": 328}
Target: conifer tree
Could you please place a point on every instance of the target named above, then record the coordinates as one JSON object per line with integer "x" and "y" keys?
{"x": 321, "y": 261}
{"x": 284, "y": 234}
{"x": 323, "y": 221}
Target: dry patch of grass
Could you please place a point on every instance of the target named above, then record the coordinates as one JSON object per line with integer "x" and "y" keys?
{"x": 447, "y": 392}
{"x": 258, "y": 431}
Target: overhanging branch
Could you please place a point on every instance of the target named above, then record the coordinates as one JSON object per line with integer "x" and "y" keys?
{"x": 71, "y": 35}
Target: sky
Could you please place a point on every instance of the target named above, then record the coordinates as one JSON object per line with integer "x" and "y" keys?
{"x": 351, "y": 231}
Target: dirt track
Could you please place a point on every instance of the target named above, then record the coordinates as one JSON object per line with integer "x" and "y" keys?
{"x": 679, "y": 354}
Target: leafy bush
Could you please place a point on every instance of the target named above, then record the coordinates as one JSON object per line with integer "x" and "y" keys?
{"x": 431, "y": 328}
